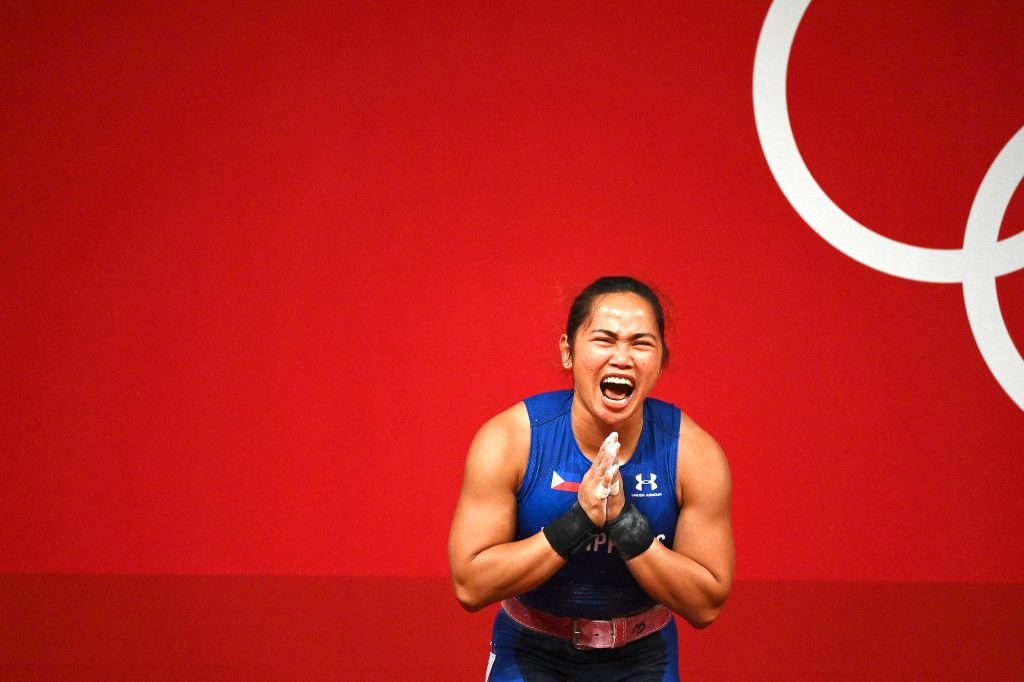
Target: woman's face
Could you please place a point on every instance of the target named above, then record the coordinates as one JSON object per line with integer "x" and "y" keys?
{"x": 616, "y": 357}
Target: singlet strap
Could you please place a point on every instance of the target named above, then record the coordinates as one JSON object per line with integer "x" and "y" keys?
{"x": 663, "y": 416}
{"x": 544, "y": 407}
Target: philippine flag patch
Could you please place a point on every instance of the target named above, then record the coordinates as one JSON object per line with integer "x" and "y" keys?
{"x": 559, "y": 483}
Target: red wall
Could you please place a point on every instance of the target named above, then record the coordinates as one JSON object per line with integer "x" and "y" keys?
{"x": 266, "y": 270}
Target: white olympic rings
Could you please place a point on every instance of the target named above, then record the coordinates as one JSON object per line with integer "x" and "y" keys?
{"x": 983, "y": 257}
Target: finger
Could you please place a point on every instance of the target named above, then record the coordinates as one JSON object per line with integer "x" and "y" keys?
{"x": 610, "y": 479}
{"x": 615, "y": 484}
{"x": 604, "y": 483}
{"x": 608, "y": 452}
{"x": 612, "y": 438}
{"x": 613, "y": 458}
{"x": 611, "y": 465}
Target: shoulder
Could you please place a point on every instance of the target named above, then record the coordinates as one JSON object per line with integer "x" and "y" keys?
{"x": 502, "y": 445}
{"x": 510, "y": 426}
{"x": 702, "y": 467}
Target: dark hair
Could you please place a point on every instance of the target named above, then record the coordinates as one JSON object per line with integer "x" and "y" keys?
{"x": 581, "y": 308}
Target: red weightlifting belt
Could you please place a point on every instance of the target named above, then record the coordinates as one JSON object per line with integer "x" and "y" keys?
{"x": 590, "y": 634}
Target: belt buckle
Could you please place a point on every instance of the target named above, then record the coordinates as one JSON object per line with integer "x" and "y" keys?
{"x": 575, "y": 639}
{"x": 577, "y": 632}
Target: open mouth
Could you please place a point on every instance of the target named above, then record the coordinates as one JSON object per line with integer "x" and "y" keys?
{"x": 617, "y": 389}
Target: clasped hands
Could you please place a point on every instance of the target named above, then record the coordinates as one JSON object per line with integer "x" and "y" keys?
{"x": 600, "y": 493}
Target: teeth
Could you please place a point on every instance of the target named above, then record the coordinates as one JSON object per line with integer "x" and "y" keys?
{"x": 619, "y": 380}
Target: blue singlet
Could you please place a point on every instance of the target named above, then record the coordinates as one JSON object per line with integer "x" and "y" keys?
{"x": 595, "y": 583}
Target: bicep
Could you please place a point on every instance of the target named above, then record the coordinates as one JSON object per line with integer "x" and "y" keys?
{"x": 485, "y": 515}
{"x": 704, "y": 528}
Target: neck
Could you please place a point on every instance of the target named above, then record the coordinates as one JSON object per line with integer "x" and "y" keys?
{"x": 590, "y": 433}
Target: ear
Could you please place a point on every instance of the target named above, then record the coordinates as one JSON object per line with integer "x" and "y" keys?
{"x": 563, "y": 346}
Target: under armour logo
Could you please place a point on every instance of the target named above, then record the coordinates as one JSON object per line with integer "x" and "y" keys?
{"x": 641, "y": 482}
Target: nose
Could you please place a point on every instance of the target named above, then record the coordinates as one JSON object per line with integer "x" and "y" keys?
{"x": 620, "y": 357}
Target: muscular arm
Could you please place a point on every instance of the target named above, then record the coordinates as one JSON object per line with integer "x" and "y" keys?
{"x": 694, "y": 578}
{"x": 486, "y": 564}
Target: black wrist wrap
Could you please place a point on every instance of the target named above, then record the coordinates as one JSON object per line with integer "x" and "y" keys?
{"x": 631, "y": 532}
{"x": 571, "y": 532}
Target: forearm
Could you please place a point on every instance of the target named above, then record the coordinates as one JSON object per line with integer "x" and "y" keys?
{"x": 505, "y": 570}
{"x": 681, "y": 583}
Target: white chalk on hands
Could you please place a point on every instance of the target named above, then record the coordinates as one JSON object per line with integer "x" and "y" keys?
{"x": 610, "y": 447}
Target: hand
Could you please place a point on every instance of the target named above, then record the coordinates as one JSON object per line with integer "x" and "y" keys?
{"x": 601, "y": 489}
{"x": 617, "y": 496}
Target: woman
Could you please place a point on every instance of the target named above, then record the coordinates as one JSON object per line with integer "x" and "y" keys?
{"x": 588, "y": 512}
